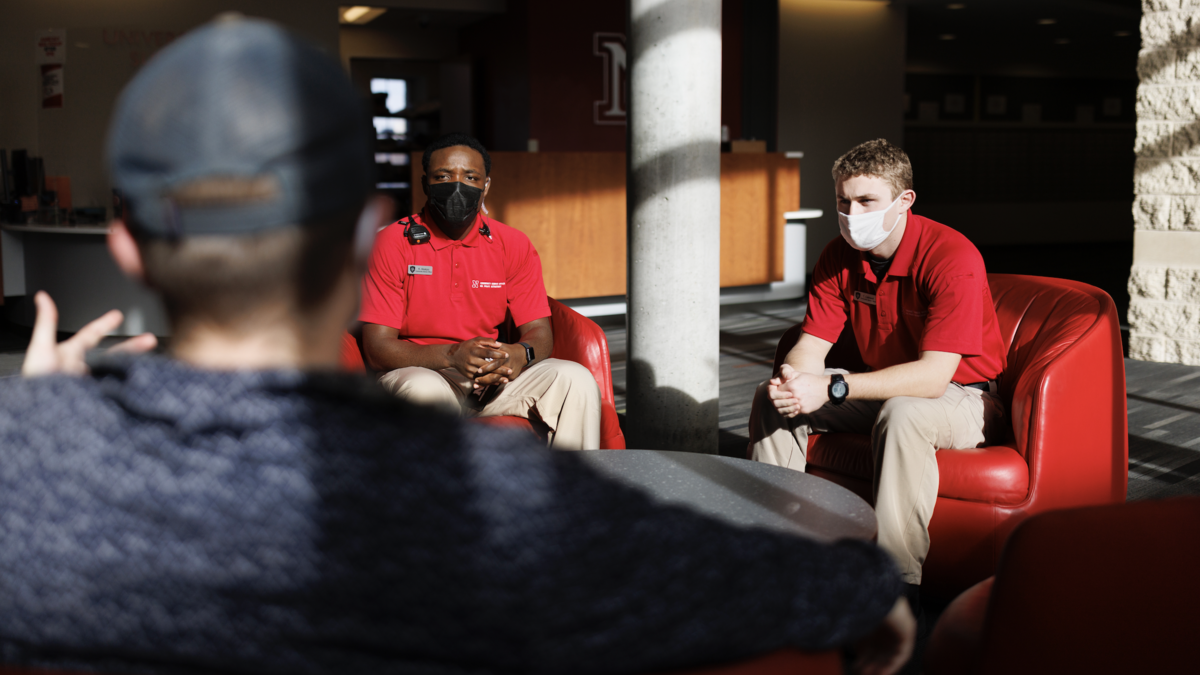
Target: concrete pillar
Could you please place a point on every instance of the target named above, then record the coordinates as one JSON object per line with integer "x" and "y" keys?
{"x": 674, "y": 205}
{"x": 1164, "y": 284}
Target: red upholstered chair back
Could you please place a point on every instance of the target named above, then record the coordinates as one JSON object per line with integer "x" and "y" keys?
{"x": 576, "y": 338}
{"x": 351, "y": 357}
{"x": 1064, "y": 386}
{"x": 583, "y": 342}
{"x": 1104, "y": 589}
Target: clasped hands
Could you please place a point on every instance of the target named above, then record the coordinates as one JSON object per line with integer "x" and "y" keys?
{"x": 487, "y": 361}
{"x": 796, "y": 393}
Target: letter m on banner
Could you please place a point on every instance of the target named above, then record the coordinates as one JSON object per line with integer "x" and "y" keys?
{"x": 610, "y": 47}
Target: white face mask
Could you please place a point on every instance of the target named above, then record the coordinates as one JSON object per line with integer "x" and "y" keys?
{"x": 865, "y": 230}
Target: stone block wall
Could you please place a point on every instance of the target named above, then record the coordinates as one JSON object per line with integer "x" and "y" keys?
{"x": 1164, "y": 284}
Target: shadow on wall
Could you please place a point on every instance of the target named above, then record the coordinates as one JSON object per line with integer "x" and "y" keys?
{"x": 1185, "y": 137}
{"x": 692, "y": 425}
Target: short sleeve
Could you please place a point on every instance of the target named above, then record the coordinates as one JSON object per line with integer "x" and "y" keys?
{"x": 383, "y": 284}
{"x": 526, "y": 289}
{"x": 955, "y": 320}
{"x": 826, "y": 315}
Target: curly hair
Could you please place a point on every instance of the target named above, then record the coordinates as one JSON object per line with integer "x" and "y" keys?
{"x": 877, "y": 158}
{"x": 451, "y": 140}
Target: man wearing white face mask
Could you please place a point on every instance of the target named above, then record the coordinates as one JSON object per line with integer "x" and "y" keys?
{"x": 916, "y": 296}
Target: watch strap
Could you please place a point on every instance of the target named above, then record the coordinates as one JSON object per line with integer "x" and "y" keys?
{"x": 529, "y": 354}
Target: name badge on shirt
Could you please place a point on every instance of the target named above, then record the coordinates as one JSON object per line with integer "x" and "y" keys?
{"x": 426, "y": 270}
{"x": 864, "y": 297}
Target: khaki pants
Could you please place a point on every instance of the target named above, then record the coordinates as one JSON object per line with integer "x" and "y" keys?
{"x": 562, "y": 394}
{"x": 906, "y": 433}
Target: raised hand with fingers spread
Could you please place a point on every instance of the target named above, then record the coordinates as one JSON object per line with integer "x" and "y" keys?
{"x": 46, "y": 355}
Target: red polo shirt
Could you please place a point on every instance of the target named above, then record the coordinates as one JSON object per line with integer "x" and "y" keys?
{"x": 935, "y": 297}
{"x": 447, "y": 291}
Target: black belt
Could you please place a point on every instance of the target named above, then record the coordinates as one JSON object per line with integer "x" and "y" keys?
{"x": 982, "y": 386}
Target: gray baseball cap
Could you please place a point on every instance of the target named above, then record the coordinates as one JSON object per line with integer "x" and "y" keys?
{"x": 239, "y": 99}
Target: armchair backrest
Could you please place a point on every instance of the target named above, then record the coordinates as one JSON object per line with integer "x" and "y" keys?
{"x": 1064, "y": 385}
{"x": 1097, "y": 589}
{"x": 583, "y": 342}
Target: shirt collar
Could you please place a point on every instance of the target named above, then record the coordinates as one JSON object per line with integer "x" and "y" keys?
{"x": 439, "y": 240}
{"x": 902, "y": 261}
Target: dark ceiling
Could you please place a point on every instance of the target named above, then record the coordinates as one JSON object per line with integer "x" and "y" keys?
{"x": 1049, "y": 38}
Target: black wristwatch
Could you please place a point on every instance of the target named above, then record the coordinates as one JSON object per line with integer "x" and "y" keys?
{"x": 528, "y": 352}
{"x": 838, "y": 389}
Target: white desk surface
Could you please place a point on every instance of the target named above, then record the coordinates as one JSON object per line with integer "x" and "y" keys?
{"x": 803, "y": 214}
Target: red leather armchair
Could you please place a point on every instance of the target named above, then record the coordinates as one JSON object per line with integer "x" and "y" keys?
{"x": 1064, "y": 388}
{"x": 1108, "y": 589}
{"x": 576, "y": 338}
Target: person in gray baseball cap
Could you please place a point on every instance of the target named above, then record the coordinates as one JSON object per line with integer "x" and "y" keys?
{"x": 237, "y": 505}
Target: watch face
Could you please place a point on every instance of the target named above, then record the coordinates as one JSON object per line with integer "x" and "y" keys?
{"x": 839, "y": 390}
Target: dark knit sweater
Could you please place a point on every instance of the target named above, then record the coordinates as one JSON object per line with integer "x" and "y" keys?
{"x": 156, "y": 518}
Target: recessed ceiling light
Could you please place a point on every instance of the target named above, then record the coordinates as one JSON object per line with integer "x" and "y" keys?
{"x": 946, "y": 36}
{"x": 955, "y": 5}
{"x": 1047, "y": 22}
{"x": 359, "y": 14}
{"x": 1122, "y": 33}
{"x": 1062, "y": 41}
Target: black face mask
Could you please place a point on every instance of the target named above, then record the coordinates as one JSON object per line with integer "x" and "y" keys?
{"x": 453, "y": 206}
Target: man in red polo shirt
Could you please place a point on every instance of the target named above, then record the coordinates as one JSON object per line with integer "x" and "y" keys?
{"x": 917, "y": 298}
{"x": 438, "y": 288}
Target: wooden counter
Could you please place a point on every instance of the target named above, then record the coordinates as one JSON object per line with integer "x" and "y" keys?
{"x": 572, "y": 206}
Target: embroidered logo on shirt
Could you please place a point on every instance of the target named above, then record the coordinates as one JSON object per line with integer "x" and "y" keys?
{"x": 425, "y": 270}
{"x": 486, "y": 284}
{"x": 864, "y": 297}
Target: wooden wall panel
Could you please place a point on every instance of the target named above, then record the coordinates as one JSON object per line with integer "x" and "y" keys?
{"x": 756, "y": 190}
{"x": 572, "y": 207}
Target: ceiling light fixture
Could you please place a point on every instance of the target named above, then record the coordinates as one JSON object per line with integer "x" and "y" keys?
{"x": 1047, "y": 22}
{"x": 359, "y": 14}
{"x": 956, "y": 5}
{"x": 1062, "y": 41}
{"x": 946, "y": 36}
{"x": 355, "y": 13}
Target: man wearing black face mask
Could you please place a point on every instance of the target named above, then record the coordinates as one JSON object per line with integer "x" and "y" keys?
{"x": 440, "y": 284}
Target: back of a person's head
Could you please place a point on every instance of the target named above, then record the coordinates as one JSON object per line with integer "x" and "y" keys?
{"x": 242, "y": 154}
{"x": 879, "y": 159}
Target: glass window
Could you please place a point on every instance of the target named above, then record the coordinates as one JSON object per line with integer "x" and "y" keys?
{"x": 397, "y": 100}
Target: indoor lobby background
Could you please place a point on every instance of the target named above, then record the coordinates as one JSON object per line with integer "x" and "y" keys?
{"x": 1060, "y": 136}
{"x": 1020, "y": 116}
